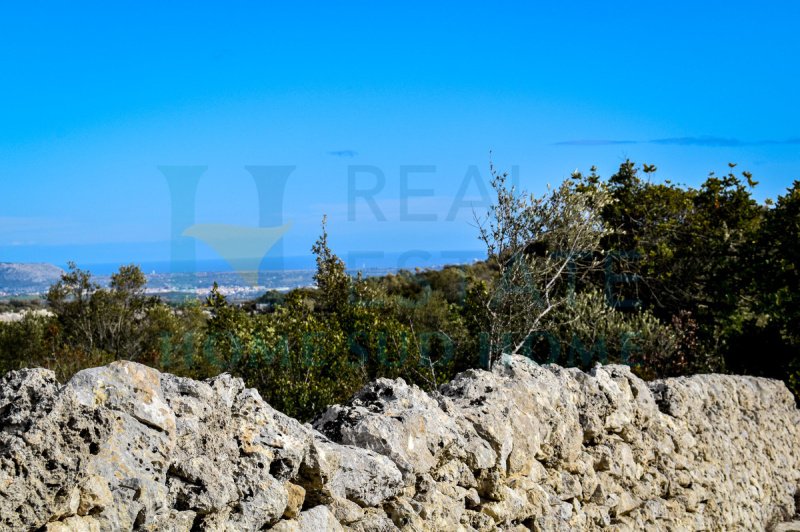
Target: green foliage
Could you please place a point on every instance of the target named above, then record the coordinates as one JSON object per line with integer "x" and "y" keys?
{"x": 20, "y": 305}
{"x": 297, "y": 358}
{"x": 667, "y": 278}
{"x": 91, "y": 326}
{"x": 332, "y": 280}
{"x": 109, "y": 320}
{"x": 689, "y": 243}
{"x": 178, "y": 339}
{"x": 779, "y": 285}
{"x": 26, "y": 341}
{"x": 590, "y": 331}
{"x": 772, "y": 325}
{"x": 690, "y": 250}
{"x": 541, "y": 248}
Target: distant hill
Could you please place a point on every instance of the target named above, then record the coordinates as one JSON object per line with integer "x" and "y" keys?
{"x": 15, "y": 276}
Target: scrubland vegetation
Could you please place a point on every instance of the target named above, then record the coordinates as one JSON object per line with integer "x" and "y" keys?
{"x": 667, "y": 278}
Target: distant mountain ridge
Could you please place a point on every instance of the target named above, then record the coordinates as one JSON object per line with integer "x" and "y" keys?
{"x": 15, "y": 275}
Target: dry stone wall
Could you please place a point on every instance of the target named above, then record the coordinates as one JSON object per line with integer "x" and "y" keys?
{"x": 524, "y": 447}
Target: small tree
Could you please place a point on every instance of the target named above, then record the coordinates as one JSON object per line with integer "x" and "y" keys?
{"x": 125, "y": 314}
{"x": 541, "y": 247}
{"x": 331, "y": 277}
{"x": 71, "y": 300}
{"x": 111, "y": 320}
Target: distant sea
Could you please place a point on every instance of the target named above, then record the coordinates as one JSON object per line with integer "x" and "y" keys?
{"x": 176, "y": 282}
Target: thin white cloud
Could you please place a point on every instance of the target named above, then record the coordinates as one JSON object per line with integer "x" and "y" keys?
{"x": 708, "y": 141}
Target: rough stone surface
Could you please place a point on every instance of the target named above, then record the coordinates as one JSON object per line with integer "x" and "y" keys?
{"x": 524, "y": 447}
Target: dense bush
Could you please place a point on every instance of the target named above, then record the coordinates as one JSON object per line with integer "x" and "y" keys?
{"x": 667, "y": 278}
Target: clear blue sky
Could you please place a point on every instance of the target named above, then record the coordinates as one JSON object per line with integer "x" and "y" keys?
{"x": 94, "y": 99}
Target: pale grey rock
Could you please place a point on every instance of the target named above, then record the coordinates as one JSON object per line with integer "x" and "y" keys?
{"x": 346, "y": 512}
{"x": 317, "y": 519}
{"x": 171, "y": 521}
{"x": 95, "y": 496}
{"x": 75, "y": 524}
{"x": 123, "y": 447}
{"x": 793, "y": 526}
{"x": 374, "y": 520}
{"x": 45, "y": 437}
{"x": 130, "y": 388}
{"x": 405, "y": 424}
{"x": 342, "y": 471}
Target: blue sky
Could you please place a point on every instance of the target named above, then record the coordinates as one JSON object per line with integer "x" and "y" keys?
{"x": 94, "y": 99}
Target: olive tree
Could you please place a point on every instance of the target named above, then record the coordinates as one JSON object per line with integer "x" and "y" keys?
{"x": 540, "y": 247}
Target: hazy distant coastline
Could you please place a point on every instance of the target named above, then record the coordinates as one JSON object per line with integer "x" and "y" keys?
{"x": 32, "y": 280}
